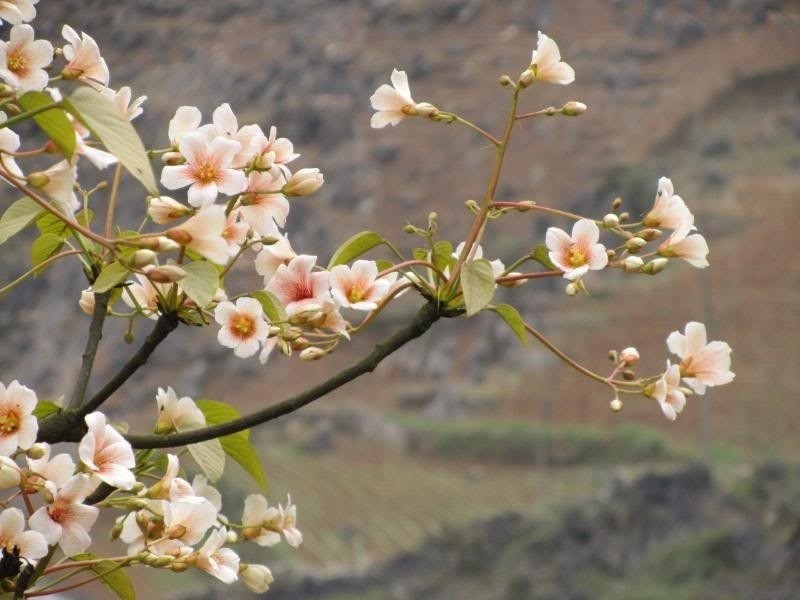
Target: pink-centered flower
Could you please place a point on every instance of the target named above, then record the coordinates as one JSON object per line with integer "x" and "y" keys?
{"x": 23, "y": 59}
{"x": 18, "y": 426}
{"x": 668, "y": 393}
{"x": 186, "y": 120}
{"x": 31, "y": 545}
{"x": 262, "y": 206}
{"x": 298, "y": 286}
{"x": 272, "y": 256}
{"x": 691, "y": 247}
{"x": 546, "y": 63}
{"x": 274, "y": 153}
{"x": 669, "y": 210}
{"x": 17, "y": 11}
{"x": 203, "y": 233}
{"x": 243, "y": 326}
{"x": 216, "y": 560}
{"x": 208, "y": 170}
{"x": 579, "y": 253}
{"x": 106, "y": 454}
{"x": 67, "y": 520}
{"x": 702, "y": 363}
{"x": 83, "y": 59}
{"x": 390, "y": 100}
{"x": 188, "y": 521}
{"x": 358, "y": 286}
{"x": 235, "y": 233}
{"x": 259, "y": 521}
{"x": 177, "y": 414}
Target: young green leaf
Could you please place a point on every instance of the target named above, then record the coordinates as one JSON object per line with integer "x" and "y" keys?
{"x": 209, "y": 456}
{"x": 111, "y": 127}
{"x": 201, "y": 282}
{"x": 111, "y": 275}
{"x": 111, "y": 575}
{"x": 355, "y": 247}
{"x": 511, "y": 316}
{"x": 45, "y": 408}
{"x": 17, "y": 217}
{"x": 542, "y": 255}
{"x": 273, "y": 308}
{"x": 477, "y": 284}
{"x": 54, "y": 122}
{"x": 45, "y": 246}
{"x": 443, "y": 254}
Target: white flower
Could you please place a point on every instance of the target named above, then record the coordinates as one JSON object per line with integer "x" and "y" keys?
{"x": 186, "y": 120}
{"x": 208, "y": 169}
{"x": 22, "y": 59}
{"x": 249, "y": 137}
{"x": 177, "y": 414}
{"x": 274, "y": 154}
{"x": 257, "y": 578}
{"x": 10, "y": 474}
{"x": 203, "y": 234}
{"x": 17, "y": 11}
{"x": 84, "y": 60}
{"x": 106, "y": 453}
{"x": 60, "y": 187}
{"x": 546, "y": 63}
{"x": 702, "y": 363}
{"x": 31, "y": 544}
{"x": 273, "y": 256}
{"x": 243, "y": 326}
{"x": 692, "y": 248}
{"x": 222, "y": 563}
{"x": 668, "y": 393}
{"x": 145, "y": 294}
{"x": 304, "y": 183}
{"x": 9, "y": 142}
{"x": 57, "y": 470}
{"x": 298, "y": 287}
{"x": 263, "y": 524}
{"x": 577, "y": 254}
{"x": 358, "y": 286}
{"x": 263, "y": 211}
{"x": 18, "y": 426}
{"x": 390, "y": 101}
{"x": 669, "y": 210}
{"x": 122, "y": 100}
{"x": 67, "y": 519}
{"x": 188, "y": 521}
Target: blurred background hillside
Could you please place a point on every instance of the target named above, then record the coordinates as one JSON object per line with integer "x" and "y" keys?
{"x": 510, "y": 465}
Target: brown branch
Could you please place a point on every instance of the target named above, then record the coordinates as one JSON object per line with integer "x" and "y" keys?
{"x": 92, "y": 343}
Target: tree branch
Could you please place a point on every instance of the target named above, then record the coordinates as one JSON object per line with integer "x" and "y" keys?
{"x": 428, "y": 314}
{"x": 95, "y": 335}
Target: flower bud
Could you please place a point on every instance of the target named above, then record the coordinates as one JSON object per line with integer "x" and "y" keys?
{"x": 616, "y": 405}
{"x": 629, "y": 355}
{"x": 571, "y": 288}
{"x": 166, "y": 274}
{"x": 284, "y": 347}
{"x": 257, "y": 578}
{"x": 611, "y": 220}
{"x": 611, "y": 254}
{"x": 300, "y": 344}
{"x": 632, "y": 264}
{"x": 649, "y": 234}
{"x": 128, "y": 338}
{"x": 172, "y": 158}
{"x": 628, "y": 375}
{"x": 232, "y": 537}
{"x": 635, "y": 244}
{"x": 616, "y": 203}
{"x": 179, "y": 567}
{"x": 624, "y": 217}
{"x": 142, "y": 258}
{"x": 312, "y": 353}
{"x": 505, "y": 80}
{"x": 116, "y": 530}
{"x": 163, "y": 210}
{"x": 573, "y": 109}
{"x": 303, "y": 183}
{"x": 426, "y": 109}
{"x": 179, "y": 236}
{"x": 87, "y": 301}
{"x": 36, "y": 451}
{"x": 526, "y": 78}
{"x": 274, "y": 330}
{"x": 613, "y": 356}
{"x": 10, "y": 475}
{"x": 37, "y": 179}
{"x": 656, "y": 266}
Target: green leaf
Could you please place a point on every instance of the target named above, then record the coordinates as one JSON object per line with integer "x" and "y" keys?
{"x": 111, "y": 575}
{"x": 477, "y": 283}
{"x": 209, "y": 456}
{"x": 421, "y": 254}
{"x": 111, "y": 275}
{"x": 511, "y": 316}
{"x": 443, "y": 254}
{"x": 201, "y": 282}
{"x": 45, "y": 246}
{"x": 542, "y": 255}
{"x": 49, "y": 223}
{"x": 236, "y": 445}
{"x": 111, "y": 127}
{"x": 384, "y": 264}
{"x": 275, "y": 311}
{"x": 45, "y": 408}
{"x": 54, "y": 122}
{"x": 355, "y": 247}
{"x": 17, "y": 217}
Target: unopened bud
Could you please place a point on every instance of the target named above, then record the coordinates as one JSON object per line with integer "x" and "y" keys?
{"x": 571, "y": 289}
{"x": 629, "y": 355}
{"x": 87, "y": 301}
{"x": 312, "y": 353}
{"x": 116, "y": 531}
{"x": 285, "y": 347}
{"x": 142, "y": 258}
{"x": 656, "y": 266}
{"x": 160, "y": 562}
{"x": 573, "y": 109}
{"x": 128, "y": 338}
{"x": 611, "y": 254}
{"x": 172, "y": 158}
{"x": 632, "y": 264}
{"x": 616, "y": 405}
{"x": 624, "y": 217}
{"x": 635, "y": 244}
{"x": 628, "y": 375}
{"x": 292, "y": 334}
{"x": 649, "y": 234}
{"x": 505, "y": 80}
{"x": 274, "y": 330}
{"x": 616, "y": 203}
{"x": 612, "y": 356}
{"x": 37, "y": 179}
{"x": 526, "y": 78}
{"x": 409, "y": 228}
{"x": 10, "y": 475}
{"x": 232, "y": 537}
{"x": 300, "y": 344}
{"x": 137, "y": 503}
{"x": 166, "y": 274}
{"x": 36, "y": 451}
{"x": 303, "y": 183}
{"x": 163, "y": 210}
{"x": 179, "y": 567}
{"x": 179, "y": 236}
{"x": 611, "y": 220}
{"x": 426, "y": 109}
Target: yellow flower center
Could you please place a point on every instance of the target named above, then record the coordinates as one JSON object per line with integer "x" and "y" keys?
{"x": 9, "y": 423}
{"x": 242, "y": 325}
{"x": 206, "y": 173}
{"x": 356, "y": 293}
{"x": 17, "y": 62}
{"x": 576, "y": 256}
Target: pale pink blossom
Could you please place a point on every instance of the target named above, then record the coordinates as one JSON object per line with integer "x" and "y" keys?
{"x": 267, "y": 348}
{"x": 702, "y": 363}
{"x": 140, "y": 530}
{"x": 359, "y": 286}
{"x": 272, "y": 256}
{"x": 186, "y": 120}
{"x": 392, "y": 101}
{"x": 18, "y": 426}
{"x": 122, "y": 100}
{"x": 163, "y": 210}
{"x": 497, "y": 265}
{"x": 304, "y": 183}
{"x": 546, "y": 63}
{"x": 57, "y": 470}
{"x": 10, "y": 473}
{"x": 243, "y": 327}
{"x": 83, "y": 59}
{"x": 60, "y": 187}
{"x": 176, "y": 414}
{"x": 256, "y": 577}
{"x": 330, "y": 318}
{"x": 298, "y": 286}
{"x": 203, "y": 234}
{"x": 668, "y": 393}
{"x": 579, "y": 253}
{"x": 144, "y": 295}
{"x": 259, "y": 521}
{"x": 208, "y": 170}
{"x": 17, "y": 11}
{"x": 274, "y": 154}
{"x": 23, "y": 59}
{"x": 692, "y": 248}
{"x": 262, "y": 206}
{"x": 235, "y": 233}
{"x": 188, "y": 521}
{"x": 106, "y": 454}
{"x": 31, "y": 544}
{"x": 9, "y": 142}
{"x": 287, "y": 523}
{"x": 669, "y": 210}
{"x": 250, "y": 137}
{"x": 67, "y": 520}
{"x": 216, "y": 560}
